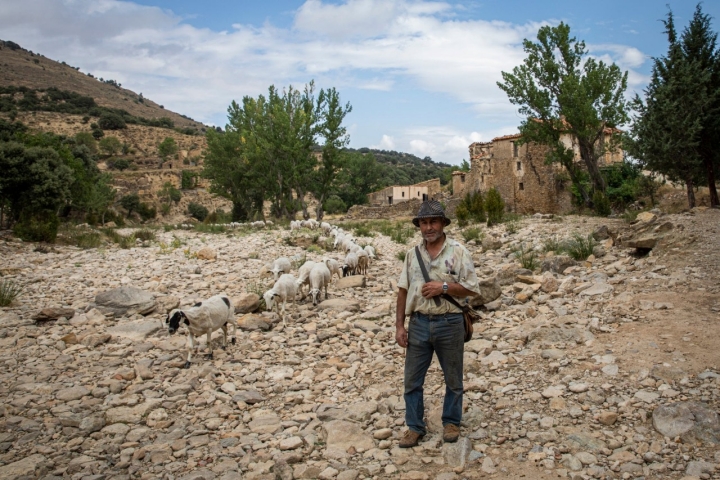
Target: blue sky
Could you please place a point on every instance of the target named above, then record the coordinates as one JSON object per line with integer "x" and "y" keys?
{"x": 420, "y": 75}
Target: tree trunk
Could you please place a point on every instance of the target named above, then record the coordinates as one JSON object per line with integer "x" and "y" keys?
{"x": 587, "y": 154}
{"x": 690, "y": 193}
{"x": 319, "y": 213}
{"x": 576, "y": 181}
{"x": 710, "y": 169}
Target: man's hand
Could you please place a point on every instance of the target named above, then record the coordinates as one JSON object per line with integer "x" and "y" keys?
{"x": 401, "y": 336}
{"x": 431, "y": 289}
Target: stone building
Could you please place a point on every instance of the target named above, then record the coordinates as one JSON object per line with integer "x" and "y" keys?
{"x": 526, "y": 183}
{"x": 422, "y": 191}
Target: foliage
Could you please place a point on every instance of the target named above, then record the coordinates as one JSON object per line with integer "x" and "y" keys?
{"x": 472, "y": 233}
{"x": 120, "y": 164}
{"x": 101, "y": 196}
{"x": 563, "y": 91}
{"x": 399, "y": 168}
{"x": 37, "y": 226}
{"x": 602, "y": 204}
{"x": 527, "y": 256}
{"x": 553, "y": 244}
{"x": 579, "y": 247}
{"x": 188, "y": 179}
{"x": 146, "y": 211}
{"x": 110, "y": 145}
{"x": 170, "y": 193}
{"x": 266, "y": 152}
{"x": 209, "y": 228}
{"x": 675, "y": 131}
{"x": 197, "y": 211}
{"x": 111, "y": 121}
{"x": 361, "y": 175}
{"x": 86, "y": 138}
{"x": 334, "y": 204}
{"x": 462, "y": 214}
{"x": 474, "y": 205}
{"x": 401, "y": 255}
{"x": 130, "y": 202}
{"x": 145, "y": 235}
{"x": 494, "y": 206}
{"x": 167, "y": 148}
{"x": 9, "y": 291}
{"x": 623, "y": 180}
{"x": 512, "y": 226}
{"x": 80, "y": 237}
{"x": 363, "y": 231}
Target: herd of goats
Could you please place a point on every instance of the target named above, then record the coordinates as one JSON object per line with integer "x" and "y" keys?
{"x": 218, "y": 311}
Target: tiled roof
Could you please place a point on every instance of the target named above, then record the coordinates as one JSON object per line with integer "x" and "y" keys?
{"x": 506, "y": 137}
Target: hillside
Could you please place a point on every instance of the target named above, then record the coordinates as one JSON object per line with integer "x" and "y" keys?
{"x": 406, "y": 169}
{"x": 24, "y": 68}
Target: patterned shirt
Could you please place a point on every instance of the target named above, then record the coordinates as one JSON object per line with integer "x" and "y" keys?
{"x": 452, "y": 265}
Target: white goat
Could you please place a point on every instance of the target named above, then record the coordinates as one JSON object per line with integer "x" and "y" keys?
{"x": 204, "y": 318}
{"x": 351, "y": 264}
{"x": 284, "y": 289}
{"x": 363, "y": 261}
{"x": 370, "y": 251}
{"x": 303, "y": 275}
{"x": 319, "y": 279}
{"x": 283, "y": 265}
{"x": 334, "y": 267}
{"x": 326, "y": 227}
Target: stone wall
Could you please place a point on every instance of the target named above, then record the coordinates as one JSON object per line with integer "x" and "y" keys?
{"x": 403, "y": 209}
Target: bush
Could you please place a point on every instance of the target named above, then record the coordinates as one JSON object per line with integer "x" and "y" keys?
{"x": 9, "y": 291}
{"x": 80, "y": 237}
{"x": 601, "y": 204}
{"x": 165, "y": 209}
{"x": 553, "y": 244}
{"x": 146, "y": 211}
{"x": 131, "y": 203}
{"x": 145, "y": 234}
{"x": 120, "y": 164}
{"x": 363, "y": 231}
{"x": 474, "y": 205}
{"x": 111, "y": 121}
{"x": 188, "y": 180}
{"x": 334, "y": 204}
{"x": 37, "y": 226}
{"x": 110, "y": 145}
{"x": 87, "y": 139}
{"x": 579, "y": 247}
{"x": 513, "y": 226}
{"x": 97, "y": 133}
{"x": 197, "y": 211}
{"x": 472, "y": 233}
{"x": 167, "y": 148}
{"x": 495, "y": 207}
{"x": 401, "y": 255}
{"x": 462, "y": 214}
{"x": 526, "y": 256}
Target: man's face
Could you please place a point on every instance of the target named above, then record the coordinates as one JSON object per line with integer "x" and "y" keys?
{"x": 432, "y": 229}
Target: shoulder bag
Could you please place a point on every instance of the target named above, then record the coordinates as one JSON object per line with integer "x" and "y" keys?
{"x": 469, "y": 314}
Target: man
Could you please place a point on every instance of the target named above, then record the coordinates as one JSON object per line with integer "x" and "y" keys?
{"x": 435, "y": 324}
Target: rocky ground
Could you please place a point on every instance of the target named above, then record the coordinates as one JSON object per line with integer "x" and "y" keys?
{"x": 606, "y": 368}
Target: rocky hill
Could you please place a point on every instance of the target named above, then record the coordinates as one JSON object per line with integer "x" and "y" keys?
{"x": 24, "y": 68}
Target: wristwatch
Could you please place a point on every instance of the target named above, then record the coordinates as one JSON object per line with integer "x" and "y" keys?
{"x": 445, "y": 287}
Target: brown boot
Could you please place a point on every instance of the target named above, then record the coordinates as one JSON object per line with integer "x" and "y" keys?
{"x": 450, "y": 433}
{"x": 410, "y": 439}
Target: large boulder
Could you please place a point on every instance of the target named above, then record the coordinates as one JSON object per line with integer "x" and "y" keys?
{"x": 137, "y": 331}
{"x": 489, "y": 290}
{"x": 53, "y": 314}
{"x": 353, "y": 281}
{"x": 691, "y": 421}
{"x": 339, "y": 305}
{"x": 253, "y": 322}
{"x": 246, "y": 302}
{"x": 125, "y": 301}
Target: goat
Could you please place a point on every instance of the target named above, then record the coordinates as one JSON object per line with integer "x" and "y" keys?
{"x": 284, "y": 289}
{"x": 319, "y": 278}
{"x": 204, "y": 318}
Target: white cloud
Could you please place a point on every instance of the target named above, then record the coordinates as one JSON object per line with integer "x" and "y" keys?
{"x": 386, "y": 143}
{"x": 372, "y": 45}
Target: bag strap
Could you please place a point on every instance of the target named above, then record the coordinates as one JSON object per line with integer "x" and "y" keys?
{"x": 425, "y": 272}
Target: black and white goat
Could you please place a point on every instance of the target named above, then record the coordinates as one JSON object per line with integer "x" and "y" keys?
{"x": 204, "y": 318}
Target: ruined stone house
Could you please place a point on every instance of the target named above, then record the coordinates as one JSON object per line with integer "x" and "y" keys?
{"x": 394, "y": 194}
{"x": 526, "y": 183}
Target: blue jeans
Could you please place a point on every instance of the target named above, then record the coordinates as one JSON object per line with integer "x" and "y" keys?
{"x": 444, "y": 335}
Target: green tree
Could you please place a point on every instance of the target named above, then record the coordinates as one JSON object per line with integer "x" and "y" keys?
{"x": 167, "y": 148}
{"x": 102, "y": 195}
{"x": 170, "y": 193}
{"x": 197, "y": 211}
{"x": 110, "y": 145}
{"x": 332, "y": 114}
{"x": 131, "y": 203}
{"x": 561, "y": 91}
{"x": 495, "y": 207}
{"x": 121, "y": 164}
{"x": 676, "y": 125}
{"x": 361, "y": 175}
{"x": 87, "y": 139}
{"x": 111, "y": 121}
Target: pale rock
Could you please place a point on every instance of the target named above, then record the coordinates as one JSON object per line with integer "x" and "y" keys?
{"x": 339, "y": 305}
{"x": 353, "y": 281}
{"x": 125, "y": 300}
{"x": 553, "y": 392}
{"x": 290, "y": 443}
{"x": 206, "y": 253}
{"x": 494, "y": 357}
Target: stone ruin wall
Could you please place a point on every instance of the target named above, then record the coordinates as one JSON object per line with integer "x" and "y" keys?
{"x": 402, "y": 209}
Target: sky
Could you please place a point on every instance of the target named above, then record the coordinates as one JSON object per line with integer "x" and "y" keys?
{"x": 420, "y": 75}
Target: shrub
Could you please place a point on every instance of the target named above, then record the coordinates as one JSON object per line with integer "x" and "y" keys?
{"x": 601, "y": 204}
{"x": 167, "y": 148}
{"x": 97, "y": 133}
{"x": 513, "y": 226}
{"x": 402, "y": 234}
{"x": 579, "y": 247}
{"x": 165, "y": 209}
{"x": 39, "y": 226}
{"x": 472, "y": 233}
{"x": 131, "y": 203}
{"x": 111, "y": 121}
{"x": 462, "y": 214}
{"x": 334, "y": 204}
{"x": 553, "y": 244}
{"x": 9, "y": 291}
{"x": 495, "y": 207}
{"x": 188, "y": 180}
{"x": 110, "y": 145}
{"x": 121, "y": 164}
{"x": 146, "y": 211}
{"x": 197, "y": 211}
{"x": 145, "y": 235}
{"x": 87, "y": 139}
{"x": 314, "y": 249}
{"x": 526, "y": 256}
{"x": 80, "y": 237}
{"x": 363, "y": 230}
{"x": 401, "y": 255}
